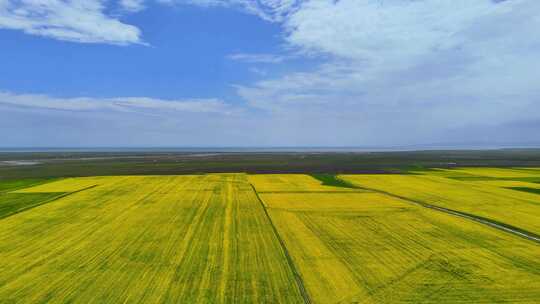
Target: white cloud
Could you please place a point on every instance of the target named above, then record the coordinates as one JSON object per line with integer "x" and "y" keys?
{"x": 257, "y": 58}
{"x": 87, "y": 21}
{"x": 392, "y": 72}
{"x": 124, "y": 104}
{"x": 379, "y": 30}
{"x": 270, "y": 10}
{"x": 132, "y": 5}
{"x": 408, "y": 70}
{"x": 42, "y": 120}
{"x": 70, "y": 20}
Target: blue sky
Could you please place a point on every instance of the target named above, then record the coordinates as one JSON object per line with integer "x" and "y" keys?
{"x": 269, "y": 72}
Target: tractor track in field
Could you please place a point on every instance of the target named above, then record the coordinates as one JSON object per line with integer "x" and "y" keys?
{"x": 489, "y": 222}
{"x": 296, "y": 273}
{"x": 482, "y": 220}
{"x": 47, "y": 201}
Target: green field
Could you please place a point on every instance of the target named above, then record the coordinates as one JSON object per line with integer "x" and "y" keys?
{"x": 238, "y": 238}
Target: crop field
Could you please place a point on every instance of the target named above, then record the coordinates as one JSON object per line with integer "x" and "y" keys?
{"x": 12, "y": 202}
{"x": 502, "y": 204}
{"x": 497, "y": 172}
{"x": 189, "y": 239}
{"x": 369, "y": 247}
{"x": 292, "y": 183}
{"x": 271, "y": 238}
{"x": 386, "y": 251}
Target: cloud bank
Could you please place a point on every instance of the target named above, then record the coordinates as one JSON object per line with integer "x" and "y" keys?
{"x": 387, "y": 73}
{"x": 118, "y": 104}
{"x": 409, "y": 70}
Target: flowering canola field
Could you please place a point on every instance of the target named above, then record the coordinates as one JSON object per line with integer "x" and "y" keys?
{"x": 237, "y": 238}
{"x": 371, "y": 247}
{"x": 491, "y": 198}
{"x": 152, "y": 239}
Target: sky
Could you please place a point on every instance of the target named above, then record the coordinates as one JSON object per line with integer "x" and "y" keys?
{"x": 208, "y": 73}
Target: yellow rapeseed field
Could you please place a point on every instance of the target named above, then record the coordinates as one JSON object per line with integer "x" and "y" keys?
{"x": 188, "y": 239}
{"x": 291, "y": 183}
{"x": 516, "y": 208}
{"x": 66, "y": 185}
{"x": 372, "y": 248}
{"x": 497, "y": 172}
{"x": 506, "y": 183}
{"x": 316, "y": 201}
{"x": 237, "y": 238}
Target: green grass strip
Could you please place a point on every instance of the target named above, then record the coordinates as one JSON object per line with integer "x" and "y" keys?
{"x": 17, "y": 184}
{"x": 332, "y": 180}
{"x": 14, "y": 203}
{"x": 526, "y": 189}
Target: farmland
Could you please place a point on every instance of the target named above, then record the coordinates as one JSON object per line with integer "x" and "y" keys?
{"x": 271, "y": 238}
{"x": 482, "y": 196}
{"x": 190, "y": 239}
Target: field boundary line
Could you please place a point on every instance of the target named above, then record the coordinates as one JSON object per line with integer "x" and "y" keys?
{"x": 298, "y": 278}
{"x": 46, "y": 201}
{"x": 479, "y": 219}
